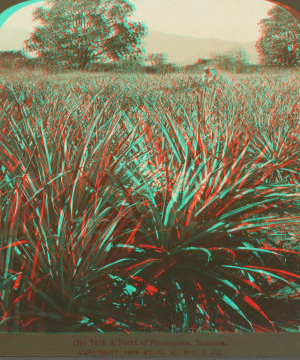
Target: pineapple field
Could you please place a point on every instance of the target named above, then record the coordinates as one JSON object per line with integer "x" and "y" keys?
{"x": 149, "y": 203}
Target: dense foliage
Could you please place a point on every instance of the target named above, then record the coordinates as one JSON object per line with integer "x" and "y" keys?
{"x": 74, "y": 33}
{"x": 149, "y": 204}
{"x": 15, "y": 60}
{"x": 279, "y": 43}
{"x": 235, "y": 60}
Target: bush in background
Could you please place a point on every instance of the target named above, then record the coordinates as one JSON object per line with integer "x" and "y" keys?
{"x": 15, "y": 60}
{"x": 234, "y": 60}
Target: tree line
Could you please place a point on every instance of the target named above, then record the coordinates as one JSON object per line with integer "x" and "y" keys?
{"x": 87, "y": 34}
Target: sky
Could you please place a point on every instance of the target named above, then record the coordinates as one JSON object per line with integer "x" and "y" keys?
{"x": 235, "y": 20}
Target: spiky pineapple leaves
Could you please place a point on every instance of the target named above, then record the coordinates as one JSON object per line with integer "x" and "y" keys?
{"x": 122, "y": 233}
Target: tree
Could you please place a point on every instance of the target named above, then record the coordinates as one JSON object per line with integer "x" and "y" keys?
{"x": 221, "y": 61}
{"x": 279, "y": 43}
{"x": 202, "y": 61}
{"x": 239, "y": 59}
{"x": 75, "y": 33}
{"x": 233, "y": 60}
{"x": 158, "y": 59}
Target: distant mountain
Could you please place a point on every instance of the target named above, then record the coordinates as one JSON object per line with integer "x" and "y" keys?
{"x": 187, "y": 49}
{"x": 179, "y": 49}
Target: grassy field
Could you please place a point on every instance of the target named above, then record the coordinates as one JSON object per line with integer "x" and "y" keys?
{"x": 149, "y": 203}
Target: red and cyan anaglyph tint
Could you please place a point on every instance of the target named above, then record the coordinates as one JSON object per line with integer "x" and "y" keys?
{"x": 143, "y": 195}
